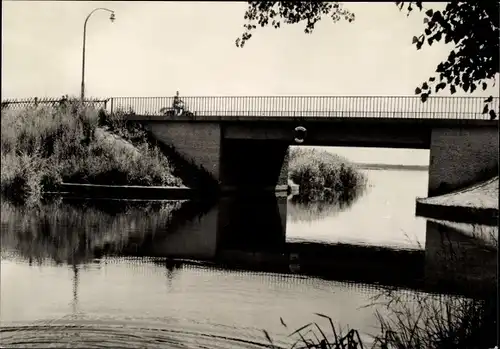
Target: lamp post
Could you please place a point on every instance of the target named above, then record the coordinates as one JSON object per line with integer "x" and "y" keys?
{"x": 111, "y": 18}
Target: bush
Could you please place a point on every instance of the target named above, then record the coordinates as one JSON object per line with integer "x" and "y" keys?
{"x": 324, "y": 176}
{"x": 45, "y": 146}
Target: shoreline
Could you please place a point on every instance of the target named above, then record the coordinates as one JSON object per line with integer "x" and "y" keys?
{"x": 131, "y": 192}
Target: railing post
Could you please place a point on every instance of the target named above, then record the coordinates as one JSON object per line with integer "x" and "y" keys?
{"x": 111, "y": 106}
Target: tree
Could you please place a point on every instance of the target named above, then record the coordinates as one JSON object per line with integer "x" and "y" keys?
{"x": 472, "y": 26}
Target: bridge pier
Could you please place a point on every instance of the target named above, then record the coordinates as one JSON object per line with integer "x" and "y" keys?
{"x": 239, "y": 165}
{"x": 460, "y": 157}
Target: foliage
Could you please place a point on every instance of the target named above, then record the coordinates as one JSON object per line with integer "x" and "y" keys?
{"x": 44, "y": 146}
{"x": 420, "y": 321}
{"x": 322, "y": 175}
{"x": 436, "y": 321}
{"x": 311, "y": 336}
{"x": 291, "y": 12}
{"x": 472, "y": 27}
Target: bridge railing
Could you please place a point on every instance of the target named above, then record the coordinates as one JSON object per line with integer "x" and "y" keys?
{"x": 314, "y": 106}
{"x": 26, "y": 103}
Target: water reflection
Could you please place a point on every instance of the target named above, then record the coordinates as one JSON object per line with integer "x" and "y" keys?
{"x": 188, "y": 265}
{"x": 237, "y": 232}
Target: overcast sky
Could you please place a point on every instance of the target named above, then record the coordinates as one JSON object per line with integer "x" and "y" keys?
{"x": 156, "y": 48}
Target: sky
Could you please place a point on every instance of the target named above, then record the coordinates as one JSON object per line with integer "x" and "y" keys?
{"x": 156, "y": 48}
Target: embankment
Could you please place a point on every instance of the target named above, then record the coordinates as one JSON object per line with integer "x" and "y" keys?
{"x": 477, "y": 204}
{"x": 45, "y": 146}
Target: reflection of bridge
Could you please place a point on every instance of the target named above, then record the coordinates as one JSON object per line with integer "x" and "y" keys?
{"x": 250, "y": 234}
{"x": 243, "y": 141}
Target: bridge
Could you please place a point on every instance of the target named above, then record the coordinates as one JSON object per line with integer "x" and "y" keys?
{"x": 243, "y": 141}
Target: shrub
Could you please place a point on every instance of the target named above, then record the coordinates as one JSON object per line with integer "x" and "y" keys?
{"x": 322, "y": 175}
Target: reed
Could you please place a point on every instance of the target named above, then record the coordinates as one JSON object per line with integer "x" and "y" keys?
{"x": 323, "y": 176}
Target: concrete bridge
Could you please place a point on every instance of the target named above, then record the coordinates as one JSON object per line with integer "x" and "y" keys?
{"x": 243, "y": 141}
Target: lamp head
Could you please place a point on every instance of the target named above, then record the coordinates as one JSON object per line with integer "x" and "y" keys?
{"x": 112, "y": 17}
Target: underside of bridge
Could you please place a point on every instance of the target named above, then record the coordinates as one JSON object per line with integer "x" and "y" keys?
{"x": 249, "y": 165}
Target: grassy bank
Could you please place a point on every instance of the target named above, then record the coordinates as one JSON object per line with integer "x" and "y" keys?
{"x": 44, "y": 146}
{"x": 322, "y": 175}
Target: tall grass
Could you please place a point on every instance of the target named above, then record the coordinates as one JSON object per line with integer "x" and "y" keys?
{"x": 322, "y": 175}
{"x": 422, "y": 321}
{"x": 45, "y": 146}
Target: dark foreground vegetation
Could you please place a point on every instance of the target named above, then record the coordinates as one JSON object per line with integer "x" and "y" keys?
{"x": 46, "y": 145}
{"x": 416, "y": 321}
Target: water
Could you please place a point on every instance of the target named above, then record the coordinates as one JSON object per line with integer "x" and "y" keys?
{"x": 383, "y": 216}
{"x": 204, "y": 275}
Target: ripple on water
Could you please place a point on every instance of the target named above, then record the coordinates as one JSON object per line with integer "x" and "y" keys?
{"x": 109, "y": 334}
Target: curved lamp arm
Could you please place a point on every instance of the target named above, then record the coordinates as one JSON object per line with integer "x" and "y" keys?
{"x": 112, "y": 19}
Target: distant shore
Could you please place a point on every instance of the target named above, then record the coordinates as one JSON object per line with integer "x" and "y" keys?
{"x": 391, "y": 167}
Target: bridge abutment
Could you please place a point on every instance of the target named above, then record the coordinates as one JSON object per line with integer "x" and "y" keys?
{"x": 238, "y": 165}
{"x": 460, "y": 157}
{"x": 196, "y": 142}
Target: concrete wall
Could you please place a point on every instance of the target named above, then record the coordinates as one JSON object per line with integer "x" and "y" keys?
{"x": 460, "y": 157}
{"x": 198, "y": 142}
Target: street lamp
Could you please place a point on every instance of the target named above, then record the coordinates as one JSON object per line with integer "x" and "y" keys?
{"x": 112, "y": 19}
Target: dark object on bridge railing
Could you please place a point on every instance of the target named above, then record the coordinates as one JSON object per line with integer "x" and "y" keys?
{"x": 313, "y": 106}
{"x": 64, "y": 101}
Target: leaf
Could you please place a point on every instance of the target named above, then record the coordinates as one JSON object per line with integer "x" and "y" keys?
{"x": 414, "y": 40}
{"x": 418, "y": 91}
{"x": 424, "y": 97}
{"x": 485, "y": 86}
{"x": 432, "y": 79}
{"x": 283, "y": 322}
{"x": 429, "y": 12}
{"x": 440, "y": 86}
{"x": 425, "y": 86}
{"x": 419, "y": 45}
{"x": 268, "y": 337}
{"x": 426, "y": 20}
{"x": 493, "y": 115}
{"x": 300, "y": 329}
{"x": 453, "y": 89}
{"x": 489, "y": 99}
{"x": 485, "y": 109}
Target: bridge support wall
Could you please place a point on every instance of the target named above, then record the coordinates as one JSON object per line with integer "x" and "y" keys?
{"x": 461, "y": 157}
{"x": 198, "y": 142}
{"x": 238, "y": 165}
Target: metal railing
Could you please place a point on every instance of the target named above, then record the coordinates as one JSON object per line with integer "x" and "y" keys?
{"x": 313, "y": 106}
{"x": 13, "y": 104}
